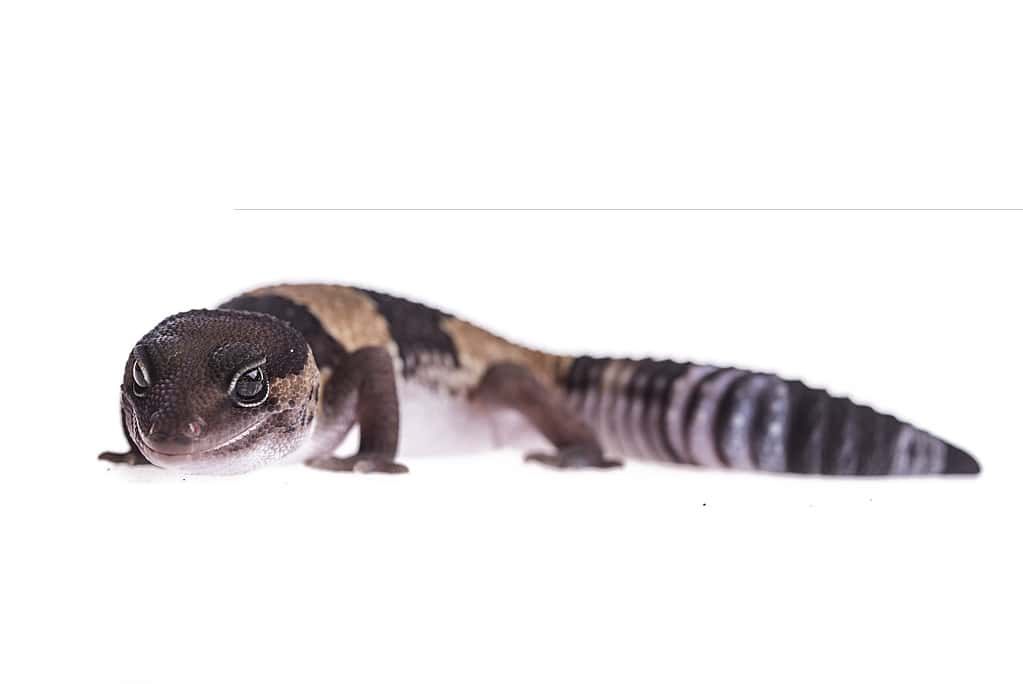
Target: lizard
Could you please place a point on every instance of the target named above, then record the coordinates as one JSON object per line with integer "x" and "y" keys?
{"x": 283, "y": 373}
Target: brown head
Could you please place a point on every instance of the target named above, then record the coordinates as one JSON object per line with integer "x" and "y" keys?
{"x": 219, "y": 391}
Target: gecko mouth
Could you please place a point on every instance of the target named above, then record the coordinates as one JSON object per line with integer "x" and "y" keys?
{"x": 200, "y": 459}
{"x": 199, "y": 452}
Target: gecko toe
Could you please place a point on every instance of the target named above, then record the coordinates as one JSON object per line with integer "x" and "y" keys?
{"x": 573, "y": 457}
{"x": 356, "y": 464}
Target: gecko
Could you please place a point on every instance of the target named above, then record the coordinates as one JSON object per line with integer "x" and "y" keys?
{"x": 284, "y": 374}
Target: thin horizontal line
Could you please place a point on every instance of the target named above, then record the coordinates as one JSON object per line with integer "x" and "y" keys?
{"x": 628, "y": 209}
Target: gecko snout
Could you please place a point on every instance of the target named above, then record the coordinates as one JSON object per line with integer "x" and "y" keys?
{"x": 172, "y": 436}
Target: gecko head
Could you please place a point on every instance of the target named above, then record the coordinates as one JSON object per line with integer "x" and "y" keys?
{"x": 219, "y": 391}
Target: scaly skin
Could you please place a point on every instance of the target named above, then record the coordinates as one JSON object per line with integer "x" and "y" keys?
{"x": 288, "y": 370}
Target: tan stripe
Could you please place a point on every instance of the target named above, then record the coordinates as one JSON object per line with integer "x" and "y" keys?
{"x": 596, "y": 406}
{"x": 637, "y": 429}
{"x": 931, "y": 455}
{"x": 939, "y": 455}
{"x": 612, "y": 404}
{"x": 296, "y": 385}
{"x": 681, "y": 395}
{"x": 348, "y": 315}
{"x": 626, "y": 414}
{"x": 653, "y": 418}
{"x": 703, "y": 446}
{"x": 737, "y": 442}
{"x": 479, "y": 349}
{"x": 562, "y": 365}
{"x": 901, "y": 461}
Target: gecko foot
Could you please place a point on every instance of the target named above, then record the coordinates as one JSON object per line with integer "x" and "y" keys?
{"x": 573, "y": 457}
{"x": 359, "y": 463}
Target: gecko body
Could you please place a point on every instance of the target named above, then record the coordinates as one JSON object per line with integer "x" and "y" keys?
{"x": 287, "y": 371}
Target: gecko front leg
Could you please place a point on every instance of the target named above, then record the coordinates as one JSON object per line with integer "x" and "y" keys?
{"x": 131, "y": 457}
{"x": 361, "y": 389}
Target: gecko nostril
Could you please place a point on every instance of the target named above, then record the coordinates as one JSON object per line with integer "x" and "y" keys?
{"x": 194, "y": 428}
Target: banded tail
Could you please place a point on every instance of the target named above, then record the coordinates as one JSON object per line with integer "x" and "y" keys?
{"x": 726, "y": 417}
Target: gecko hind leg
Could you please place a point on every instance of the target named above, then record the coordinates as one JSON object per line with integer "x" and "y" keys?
{"x": 509, "y": 385}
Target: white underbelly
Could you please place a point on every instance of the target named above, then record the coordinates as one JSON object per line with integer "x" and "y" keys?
{"x": 436, "y": 423}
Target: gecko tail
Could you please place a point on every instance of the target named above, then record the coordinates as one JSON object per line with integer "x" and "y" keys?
{"x": 958, "y": 462}
{"x": 731, "y": 418}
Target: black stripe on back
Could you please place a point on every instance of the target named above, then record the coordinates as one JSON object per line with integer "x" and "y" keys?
{"x": 667, "y": 372}
{"x": 326, "y": 350}
{"x": 728, "y": 406}
{"x": 838, "y": 410}
{"x": 639, "y": 386}
{"x": 859, "y": 440}
{"x": 689, "y": 410}
{"x": 578, "y": 373}
{"x": 639, "y": 392}
{"x": 584, "y": 371}
{"x": 878, "y": 461}
{"x": 805, "y": 412}
{"x": 415, "y": 328}
{"x": 761, "y": 418}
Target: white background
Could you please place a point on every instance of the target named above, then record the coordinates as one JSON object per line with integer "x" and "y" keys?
{"x": 131, "y": 133}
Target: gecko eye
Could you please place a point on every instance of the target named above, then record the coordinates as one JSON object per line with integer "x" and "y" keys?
{"x": 140, "y": 379}
{"x": 249, "y": 387}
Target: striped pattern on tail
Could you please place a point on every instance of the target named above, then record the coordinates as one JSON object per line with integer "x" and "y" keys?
{"x": 726, "y": 417}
